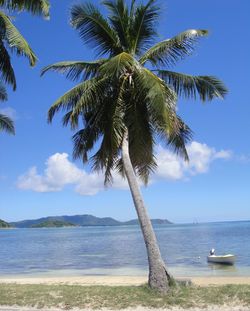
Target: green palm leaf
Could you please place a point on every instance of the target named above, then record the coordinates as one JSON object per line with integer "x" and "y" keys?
{"x": 15, "y": 40}
{"x": 79, "y": 99}
{"x": 143, "y": 26}
{"x": 6, "y": 70}
{"x": 207, "y": 87}
{"x": 76, "y": 70}
{"x": 119, "y": 65}
{"x": 94, "y": 29}
{"x": 119, "y": 18}
{"x": 37, "y": 7}
{"x": 6, "y": 124}
{"x": 157, "y": 94}
{"x": 168, "y": 52}
{"x": 161, "y": 105}
{"x": 3, "y": 93}
{"x": 111, "y": 121}
{"x": 141, "y": 138}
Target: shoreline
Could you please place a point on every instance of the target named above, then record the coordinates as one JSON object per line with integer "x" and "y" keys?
{"x": 111, "y": 280}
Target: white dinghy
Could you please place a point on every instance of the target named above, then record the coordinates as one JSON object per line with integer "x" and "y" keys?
{"x": 228, "y": 259}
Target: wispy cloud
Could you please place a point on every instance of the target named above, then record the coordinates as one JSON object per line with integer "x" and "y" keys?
{"x": 60, "y": 171}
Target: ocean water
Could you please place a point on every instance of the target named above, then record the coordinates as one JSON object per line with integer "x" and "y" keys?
{"x": 121, "y": 250}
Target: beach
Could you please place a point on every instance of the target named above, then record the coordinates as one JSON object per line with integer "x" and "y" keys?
{"x": 114, "y": 280}
{"x": 127, "y": 293}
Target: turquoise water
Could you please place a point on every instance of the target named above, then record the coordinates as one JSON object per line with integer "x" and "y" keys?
{"x": 121, "y": 250}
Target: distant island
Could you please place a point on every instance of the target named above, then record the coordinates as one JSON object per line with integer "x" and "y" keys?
{"x": 53, "y": 224}
{"x": 80, "y": 221}
{"x": 4, "y": 224}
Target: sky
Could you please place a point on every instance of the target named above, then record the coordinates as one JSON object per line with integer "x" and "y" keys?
{"x": 38, "y": 176}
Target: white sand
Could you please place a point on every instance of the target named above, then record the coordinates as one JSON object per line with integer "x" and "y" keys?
{"x": 119, "y": 280}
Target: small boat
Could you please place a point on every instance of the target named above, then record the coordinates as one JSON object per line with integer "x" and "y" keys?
{"x": 228, "y": 259}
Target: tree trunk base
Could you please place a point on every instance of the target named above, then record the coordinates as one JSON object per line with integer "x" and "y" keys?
{"x": 160, "y": 280}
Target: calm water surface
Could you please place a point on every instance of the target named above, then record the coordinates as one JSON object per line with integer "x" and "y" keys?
{"x": 121, "y": 250}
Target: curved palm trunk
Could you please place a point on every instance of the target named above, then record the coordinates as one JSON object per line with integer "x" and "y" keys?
{"x": 158, "y": 276}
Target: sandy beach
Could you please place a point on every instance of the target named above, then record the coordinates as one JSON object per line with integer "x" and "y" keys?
{"x": 127, "y": 281}
{"x": 119, "y": 280}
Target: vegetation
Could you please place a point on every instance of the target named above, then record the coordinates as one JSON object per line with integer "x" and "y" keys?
{"x": 12, "y": 41}
{"x": 127, "y": 99}
{"x": 97, "y": 297}
{"x": 83, "y": 220}
{"x": 53, "y": 224}
{"x": 4, "y": 224}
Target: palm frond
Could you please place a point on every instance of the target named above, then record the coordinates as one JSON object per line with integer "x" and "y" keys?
{"x": 6, "y": 124}
{"x": 36, "y": 7}
{"x": 15, "y": 40}
{"x": 144, "y": 25}
{"x": 94, "y": 29}
{"x": 158, "y": 95}
{"x": 132, "y": 9}
{"x": 178, "y": 136}
{"x": 79, "y": 99}
{"x": 7, "y": 74}
{"x": 168, "y": 52}
{"x": 84, "y": 141}
{"x": 161, "y": 106}
{"x": 120, "y": 20}
{"x": 112, "y": 125}
{"x": 141, "y": 137}
{"x": 121, "y": 64}
{"x": 3, "y": 93}
{"x": 76, "y": 70}
{"x": 207, "y": 87}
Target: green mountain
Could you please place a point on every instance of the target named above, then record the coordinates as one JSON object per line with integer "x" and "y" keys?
{"x": 4, "y": 225}
{"x": 83, "y": 221}
{"x": 53, "y": 224}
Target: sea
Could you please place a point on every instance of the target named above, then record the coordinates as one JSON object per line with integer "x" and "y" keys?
{"x": 120, "y": 250}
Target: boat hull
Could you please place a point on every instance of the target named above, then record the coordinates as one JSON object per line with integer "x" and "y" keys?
{"x": 224, "y": 259}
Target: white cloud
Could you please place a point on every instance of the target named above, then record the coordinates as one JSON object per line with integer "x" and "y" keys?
{"x": 60, "y": 171}
{"x": 172, "y": 167}
{"x": 10, "y": 112}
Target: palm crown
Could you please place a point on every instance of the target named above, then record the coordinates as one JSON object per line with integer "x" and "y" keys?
{"x": 129, "y": 89}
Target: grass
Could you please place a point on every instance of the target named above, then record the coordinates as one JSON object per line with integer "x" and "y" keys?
{"x": 119, "y": 297}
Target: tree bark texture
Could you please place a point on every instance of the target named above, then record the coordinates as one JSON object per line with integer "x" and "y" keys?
{"x": 158, "y": 276}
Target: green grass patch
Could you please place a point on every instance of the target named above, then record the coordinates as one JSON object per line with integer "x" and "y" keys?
{"x": 119, "y": 297}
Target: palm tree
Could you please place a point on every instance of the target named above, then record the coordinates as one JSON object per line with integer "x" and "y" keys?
{"x": 6, "y": 124}
{"x": 12, "y": 40}
{"x": 126, "y": 100}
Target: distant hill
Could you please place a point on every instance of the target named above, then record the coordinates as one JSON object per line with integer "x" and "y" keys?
{"x": 4, "y": 224}
{"x": 53, "y": 224}
{"x": 81, "y": 220}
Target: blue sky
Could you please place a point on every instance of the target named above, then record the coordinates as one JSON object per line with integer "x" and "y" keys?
{"x": 37, "y": 174}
